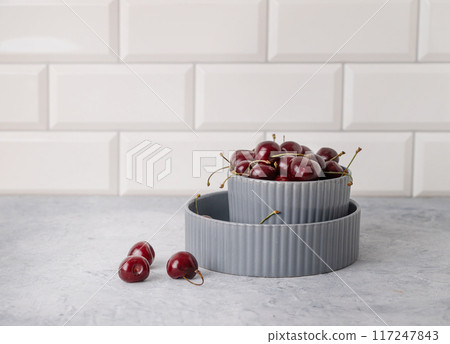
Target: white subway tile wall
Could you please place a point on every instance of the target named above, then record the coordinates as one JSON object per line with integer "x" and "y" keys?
{"x": 351, "y": 30}
{"x": 397, "y": 97}
{"x": 117, "y": 96}
{"x": 430, "y": 166}
{"x": 50, "y": 31}
{"x": 58, "y": 162}
{"x": 193, "y": 30}
{"x": 434, "y": 42}
{"x": 136, "y": 97}
{"x": 244, "y": 96}
{"x": 23, "y": 96}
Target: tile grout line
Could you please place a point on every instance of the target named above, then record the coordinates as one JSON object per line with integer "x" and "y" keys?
{"x": 119, "y": 45}
{"x": 267, "y": 30}
{"x": 413, "y": 163}
{"x": 118, "y": 133}
{"x": 159, "y": 62}
{"x": 342, "y": 96}
{"x": 194, "y": 96}
{"x": 418, "y": 30}
{"x": 354, "y": 131}
{"x": 48, "y": 98}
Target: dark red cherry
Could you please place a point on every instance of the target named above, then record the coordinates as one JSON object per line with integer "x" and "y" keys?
{"x": 318, "y": 159}
{"x": 264, "y": 150}
{"x": 183, "y": 265}
{"x": 241, "y": 155}
{"x": 304, "y": 169}
{"x": 291, "y": 146}
{"x": 327, "y": 153}
{"x": 143, "y": 249}
{"x": 263, "y": 171}
{"x": 281, "y": 179}
{"x": 306, "y": 150}
{"x": 134, "y": 269}
{"x": 283, "y": 165}
{"x": 333, "y": 166}
{"x": 242, "y": 167}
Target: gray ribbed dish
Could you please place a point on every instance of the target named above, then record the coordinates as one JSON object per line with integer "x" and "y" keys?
{"x": 250, "y": 200}
{"x": 269, "y": 250}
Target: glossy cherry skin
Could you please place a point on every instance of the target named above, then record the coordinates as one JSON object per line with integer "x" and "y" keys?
{"x": 242, "y": 168}
{"x": 303, "y": 169}
{"x": 263, "y": 171}
{"x": 241, "y": 155}
{"x": 143, "y": 249}
{"x": 333, "y": 166}
{"x": 134, "y": 269}
{"x": 182, "y": 264}
{"x": 281, "y": 179}
{"x": 291, "y": 146}
{"x": 306, "y": 150}
{"x": 327, "y": 153}
{"x": 318, "y": 159}
{"x": 283, "y": 165}
{"x": 264, "y": 150}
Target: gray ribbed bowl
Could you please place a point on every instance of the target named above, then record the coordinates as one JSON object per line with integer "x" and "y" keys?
{"x": 250, "y": 200}
{"x": 269, "y": 250}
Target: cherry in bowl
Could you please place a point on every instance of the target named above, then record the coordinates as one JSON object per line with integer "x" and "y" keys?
{"x": 304, "y": 169}
{"x": 328, "y": 154}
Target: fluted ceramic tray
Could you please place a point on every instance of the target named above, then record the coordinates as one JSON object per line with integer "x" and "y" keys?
{"x": 269, "y": 250}
{"x": 250, "y": 200}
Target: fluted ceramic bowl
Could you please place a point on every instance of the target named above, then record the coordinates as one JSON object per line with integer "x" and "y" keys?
{"x": 269, "y": 250}
{"x": 251, "y": 200}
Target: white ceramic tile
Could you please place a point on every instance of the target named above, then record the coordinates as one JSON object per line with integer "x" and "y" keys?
{"x": 115, "y": 97}
{"x": 191, "y": 159}
{"x": 431, "y": 164}
{"x": 397, "y": 96}
{"x": 58, "y": 163}
{"x": 315, "y": 30}
{"x": 248, "y": 96}
{"x": 382, "y": 168}
{"x": 434, "y": 30}
{"x": 193, "y": 30}
{"x": 51, "y": 31}
{"x": 23, "y": 97}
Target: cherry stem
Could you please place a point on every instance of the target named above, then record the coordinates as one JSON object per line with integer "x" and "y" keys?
{"x": 249, "y": 167}
{"x": 231, "y": 175}
{"x": 256, "y": 161}
{"x": 350, "y": 183}
{"x": 289, "y": 154}
{"x": 274, "y": 137}
{"x": 284, "y": 138}
{"x": 209, "y": 178}
{"x": 337, "y": 156}
{"x": 354, "y": 156}
{"x": 199, "y": 284}
{"x": 268, "y": 216}
{"x": 228, "y": 161}
{"x": 196, "y": 207}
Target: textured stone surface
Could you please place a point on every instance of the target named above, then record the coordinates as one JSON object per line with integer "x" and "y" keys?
{"x": 57, "y": 252}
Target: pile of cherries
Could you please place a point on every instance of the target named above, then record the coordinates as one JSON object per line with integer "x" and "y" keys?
{"x": 136, "y": 266}
{"x": 288, "y": 161}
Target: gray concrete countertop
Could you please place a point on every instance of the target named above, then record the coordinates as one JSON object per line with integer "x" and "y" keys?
{"x": 59, "y": 254}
